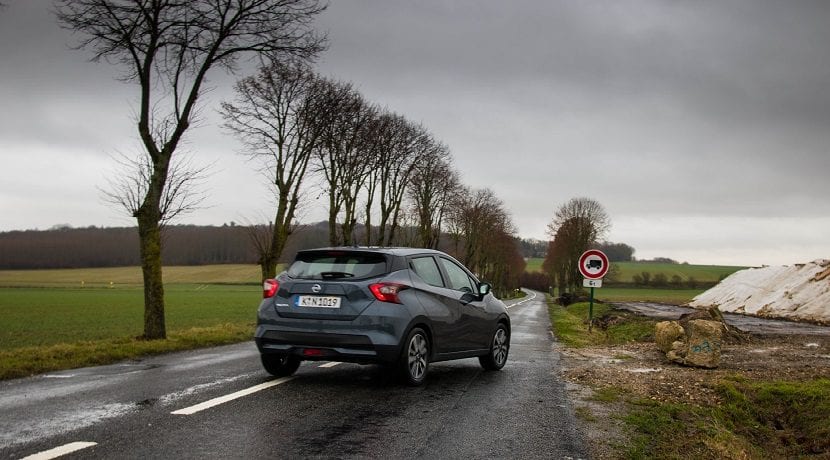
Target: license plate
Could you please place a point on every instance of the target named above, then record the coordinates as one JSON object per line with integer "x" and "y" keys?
{"x": 315, "y": 301}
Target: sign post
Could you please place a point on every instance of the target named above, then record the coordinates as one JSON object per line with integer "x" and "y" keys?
{"x": 593, "y": 264}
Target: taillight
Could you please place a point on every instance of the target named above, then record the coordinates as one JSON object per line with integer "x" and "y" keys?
{"x": 269, "y": 288}
{"x": 387, "y": 292}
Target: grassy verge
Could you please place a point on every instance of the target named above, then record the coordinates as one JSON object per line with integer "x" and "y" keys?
{"x": 776, "y": 419}
{"x": 25, "y": 361}
{"x": 756, "y": 419}
{"x": 47, "y": 329}
{"x": 570, "y": 325}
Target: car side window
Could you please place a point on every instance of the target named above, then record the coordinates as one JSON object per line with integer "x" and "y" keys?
{"x": 459, "y": 279}
{"x": 428, "y": 270}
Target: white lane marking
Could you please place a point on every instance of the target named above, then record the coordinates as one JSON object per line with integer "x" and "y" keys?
{"x": 223, "y": 399}
{"x": 60, "y": 450}
{"x": 170, "y": 398}
{"x": 523, "y": 301}
{"x": 331, "y": 364}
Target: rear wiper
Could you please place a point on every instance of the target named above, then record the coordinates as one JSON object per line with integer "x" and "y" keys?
{"x": 333, "y": 275}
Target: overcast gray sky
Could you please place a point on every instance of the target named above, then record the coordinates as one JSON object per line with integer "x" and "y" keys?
{"x": 703, "y": 127}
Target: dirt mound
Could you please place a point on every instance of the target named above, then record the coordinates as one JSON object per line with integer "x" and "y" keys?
{"x": 797, "y": 292}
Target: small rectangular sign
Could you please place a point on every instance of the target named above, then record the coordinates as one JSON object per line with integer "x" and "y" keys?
{"x": 591, "y": 283}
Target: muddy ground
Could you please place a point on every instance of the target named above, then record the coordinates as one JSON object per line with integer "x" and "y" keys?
{"x": 642, "y": 371}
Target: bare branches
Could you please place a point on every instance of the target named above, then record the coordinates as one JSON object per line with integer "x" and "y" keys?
{"x": 588, "y": 214}
{"x": 433, "y": 184}
{"x": 182, "y": 193}
{"x": 577, "y": 225}
{"x": 278, "y": 115}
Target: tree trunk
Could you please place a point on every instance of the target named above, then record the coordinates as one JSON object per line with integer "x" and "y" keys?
{"x": 264, "y": 268}
{"x": 333, "y": 238}
{"x": 269, "y": 267}
{"x": 149, "y": 233}
{"x": 279, "y": 236}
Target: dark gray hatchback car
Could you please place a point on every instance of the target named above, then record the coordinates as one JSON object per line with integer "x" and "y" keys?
{"x": 397, "y": 307}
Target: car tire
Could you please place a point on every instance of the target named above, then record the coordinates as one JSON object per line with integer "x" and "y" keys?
{"x": 499, "y": 348}
{"x": 279, "y": 365}
{"x": 413, "y": 364}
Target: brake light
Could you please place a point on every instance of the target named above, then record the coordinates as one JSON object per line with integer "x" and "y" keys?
{"x": 387, "y": 292}
{"x": 269, "y": 288}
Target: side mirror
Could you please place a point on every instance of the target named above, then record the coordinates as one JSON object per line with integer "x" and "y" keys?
{"x": 484, "y": 289}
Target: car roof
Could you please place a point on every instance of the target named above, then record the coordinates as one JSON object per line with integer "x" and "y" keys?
{"x": 395, "y": 251}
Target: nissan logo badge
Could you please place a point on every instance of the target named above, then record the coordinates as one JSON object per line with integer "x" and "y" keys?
{"x": 316, "y": 288}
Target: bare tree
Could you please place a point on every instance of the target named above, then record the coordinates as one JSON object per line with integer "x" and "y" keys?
{"x": 344, "y": 155}
{"x": 168, "y": 48}
{"x": 397, "y": 146}
{"x": 277, "y": 116}
{"x": 433, "y": 185}
{"x": 483, "y": 233}
{"x": 576, "y": 226}
{"x": 474, "y": 217}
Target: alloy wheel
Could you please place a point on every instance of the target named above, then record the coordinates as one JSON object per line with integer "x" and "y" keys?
{"x": 500, "y": 347}
{"x": 417, "y": 357}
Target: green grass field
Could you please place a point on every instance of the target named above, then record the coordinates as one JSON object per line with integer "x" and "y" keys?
{"x": 58, "y": 319}
{"x": 118, "y": 276}
{"x": 669, "y": 296}
{"x": 626, "y": 270}
{"x": 48, "y": 316}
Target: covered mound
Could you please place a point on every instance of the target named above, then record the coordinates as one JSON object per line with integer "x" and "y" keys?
{"x": 798, "y": 292}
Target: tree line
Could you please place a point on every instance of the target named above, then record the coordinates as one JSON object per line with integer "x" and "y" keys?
{"x": 116, "y": 247}
{"x": 66, "y": 247}
{"x": 375, "y": 167}
{"x": 380, "y": 172}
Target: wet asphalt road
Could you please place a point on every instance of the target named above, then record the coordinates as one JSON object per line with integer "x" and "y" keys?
{"x": 324, "y": 411}
{"x": 753, "y": 324}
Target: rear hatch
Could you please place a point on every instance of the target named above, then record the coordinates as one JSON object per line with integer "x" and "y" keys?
{"x": 329, "y": 284}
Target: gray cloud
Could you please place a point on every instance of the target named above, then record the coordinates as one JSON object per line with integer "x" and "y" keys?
{"x": 706, "y": 115}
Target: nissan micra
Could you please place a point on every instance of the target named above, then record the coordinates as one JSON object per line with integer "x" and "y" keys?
{"x": 402, "y": 308}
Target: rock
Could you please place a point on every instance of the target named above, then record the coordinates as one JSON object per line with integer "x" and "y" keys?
{"x": 667, "y": 332}
{"x": 704, "y": 339}
{"x": 695, "y": 343}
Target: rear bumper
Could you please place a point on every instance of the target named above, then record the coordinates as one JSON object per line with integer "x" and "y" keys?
{"x": 327, "y": 346}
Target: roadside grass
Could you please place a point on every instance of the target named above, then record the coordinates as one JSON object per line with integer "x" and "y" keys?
{"x": 47, "y": 328}
{"x": 26, "y": 361}
{"x": 570, "y": 325}
{"x": 756, "y": 419}
{"x": 775, "y": 419}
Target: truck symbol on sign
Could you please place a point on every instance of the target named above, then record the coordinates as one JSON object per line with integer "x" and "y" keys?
{"x": 593, "y": 263}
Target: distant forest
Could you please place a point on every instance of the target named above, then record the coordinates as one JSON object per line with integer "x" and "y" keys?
{"x": 118, "y": 247}
{"x": 67, "y": 247}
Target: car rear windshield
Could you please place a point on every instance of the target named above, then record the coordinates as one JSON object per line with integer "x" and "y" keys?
{"x": 330, "y": 265}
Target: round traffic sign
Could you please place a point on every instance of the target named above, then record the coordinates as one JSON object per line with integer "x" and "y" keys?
{"x": 593, "y": 264}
